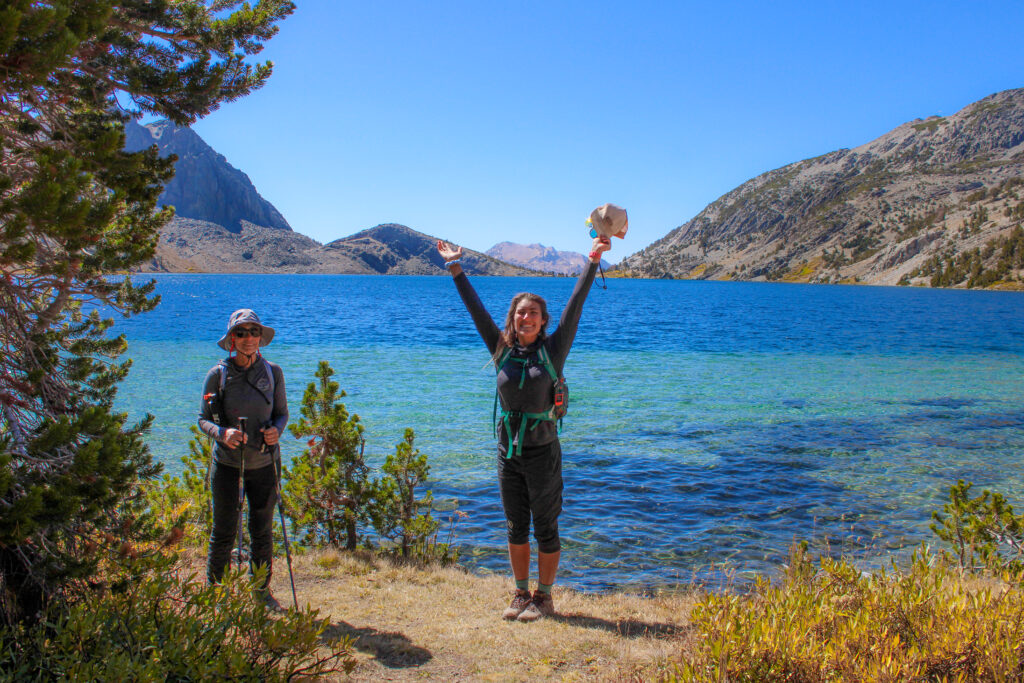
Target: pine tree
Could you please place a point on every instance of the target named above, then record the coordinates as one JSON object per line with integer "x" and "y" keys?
{"x": 75, "y": 208}
{"x": 328, "y": 487}
{"x": 397, "y": 511}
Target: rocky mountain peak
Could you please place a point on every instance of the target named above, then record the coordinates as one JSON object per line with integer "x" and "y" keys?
{"x": 539, "y": 257}
{"x": 205, "y": 186}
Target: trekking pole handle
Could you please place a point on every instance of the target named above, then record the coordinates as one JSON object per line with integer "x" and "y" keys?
{"x": 241, "y": 428}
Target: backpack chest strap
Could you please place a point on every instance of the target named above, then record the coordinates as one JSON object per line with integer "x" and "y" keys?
{"x": 515, "y": 441}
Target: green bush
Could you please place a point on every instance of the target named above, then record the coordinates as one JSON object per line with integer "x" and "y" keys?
{"x": 184, "y": 502}
{"x": 983, "y": 531}
{"x": 327, "y": 488}
{"x": 397, "y": 511}
{"x": 156, "y": 624}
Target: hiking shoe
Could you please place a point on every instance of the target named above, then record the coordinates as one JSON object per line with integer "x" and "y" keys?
{"x": 519, "y": 602}
{"x": 271, "y": 603}
{"x": 264, "y": 596}
{"x": 541, "y": 605}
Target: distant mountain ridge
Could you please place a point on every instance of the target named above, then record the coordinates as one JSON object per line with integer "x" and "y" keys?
{"x": 205, "y": 186}
{"x": 539, "y": 257}
{"x": 188, "y": 245}
{"x": 934, "y": 201}
{"x": 223, "y": 225}
{"x": 393, "y": 249}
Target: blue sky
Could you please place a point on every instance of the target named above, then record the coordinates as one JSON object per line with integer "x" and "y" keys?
{"x": 483, "y": 122}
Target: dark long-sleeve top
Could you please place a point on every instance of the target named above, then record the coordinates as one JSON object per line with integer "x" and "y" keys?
{"x": 247, "y": 393}
{"x": 535, "y": 396}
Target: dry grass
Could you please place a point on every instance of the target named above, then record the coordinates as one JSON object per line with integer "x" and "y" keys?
{"x": 410, "y": 623}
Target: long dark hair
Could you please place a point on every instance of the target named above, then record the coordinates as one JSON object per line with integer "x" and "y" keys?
{"x": 508, "y": 336}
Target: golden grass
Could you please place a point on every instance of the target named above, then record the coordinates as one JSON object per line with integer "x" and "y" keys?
{"x": 411, "y": 623}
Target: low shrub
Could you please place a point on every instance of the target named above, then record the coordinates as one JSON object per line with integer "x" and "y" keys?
{"x": 983, "y": 532}
{"x": 957, "y": 615}
{"x": 153, "y": 623}
{"x": 327, "y": 488}
{"x": 184, "y": 502}
{"x": 834, "y": 623}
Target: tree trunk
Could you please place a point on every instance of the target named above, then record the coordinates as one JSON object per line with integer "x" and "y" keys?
{"x": 351, "y": 528}
{"x": 23, "y": 599}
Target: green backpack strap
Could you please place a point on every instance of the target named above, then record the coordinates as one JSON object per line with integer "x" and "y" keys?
{"x": 498, "y": 365}
{"x": 516, "y": 440}
{"x": 545, "y": 358}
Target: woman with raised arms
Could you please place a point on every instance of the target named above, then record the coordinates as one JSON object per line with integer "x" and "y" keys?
{"x": 529, "y": 364}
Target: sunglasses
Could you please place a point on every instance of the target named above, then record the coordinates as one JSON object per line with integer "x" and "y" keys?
{"x": 243, "y": 332}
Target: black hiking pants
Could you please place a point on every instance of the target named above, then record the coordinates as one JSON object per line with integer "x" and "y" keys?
{"x": 531, "y": 487}
{"x": 261, "y": 495}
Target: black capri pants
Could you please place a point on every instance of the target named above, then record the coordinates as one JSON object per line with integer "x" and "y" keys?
{"x": 531, "y": 487}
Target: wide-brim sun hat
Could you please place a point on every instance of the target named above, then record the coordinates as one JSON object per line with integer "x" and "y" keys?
{"x": 241, "y": 317}
{"x": 609, "y": 220}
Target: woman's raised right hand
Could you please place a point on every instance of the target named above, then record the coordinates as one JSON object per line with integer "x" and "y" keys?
{"x": 448, "y": 251}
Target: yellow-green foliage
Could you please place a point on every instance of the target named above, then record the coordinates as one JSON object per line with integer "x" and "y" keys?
{"x": 184, "y": 502}
{"x": 835, "y": 623}
{"x": 804, "y": 271}
{"x": 152, "y": 624}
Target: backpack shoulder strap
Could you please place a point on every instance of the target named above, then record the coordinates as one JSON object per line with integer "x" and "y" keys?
{"x": 498, "y": 364}
{"x": 270, "y": 375}
{"x": 545, "y": 358}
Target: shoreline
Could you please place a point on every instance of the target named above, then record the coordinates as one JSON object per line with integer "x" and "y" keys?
{"x": 1004, "y": 286}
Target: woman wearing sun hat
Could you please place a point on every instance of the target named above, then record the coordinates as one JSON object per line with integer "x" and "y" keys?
{"x": 243, "y": 385}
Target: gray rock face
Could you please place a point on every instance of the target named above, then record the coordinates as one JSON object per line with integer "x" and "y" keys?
{"x": 205, "y": 186}
{"x": 871, "y": 214}
{"x": 539, "y": 257}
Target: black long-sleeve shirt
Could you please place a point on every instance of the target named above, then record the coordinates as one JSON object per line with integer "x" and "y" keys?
{"x": 535, "y": 396}
{"x": 246, "y": 394}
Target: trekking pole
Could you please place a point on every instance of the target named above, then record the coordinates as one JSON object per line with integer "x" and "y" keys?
{"x": 284, "y": 527}
{"x": 241, "y": 486}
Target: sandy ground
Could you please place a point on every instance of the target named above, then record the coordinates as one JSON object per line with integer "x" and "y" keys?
{"x": 409, "y": 623}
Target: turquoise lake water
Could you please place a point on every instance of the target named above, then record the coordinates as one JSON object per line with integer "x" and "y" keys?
{"x": 711, "y": 423}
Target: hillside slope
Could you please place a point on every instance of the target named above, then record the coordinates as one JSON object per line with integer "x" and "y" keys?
{"x": 932, "y": 202}
{"x": 188, "y": 245}
{"x": 393, "y": 249}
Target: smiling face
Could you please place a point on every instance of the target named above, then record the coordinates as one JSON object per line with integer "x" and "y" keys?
{"x": 247, "y": 338}
{"x": 528, "y": 320}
